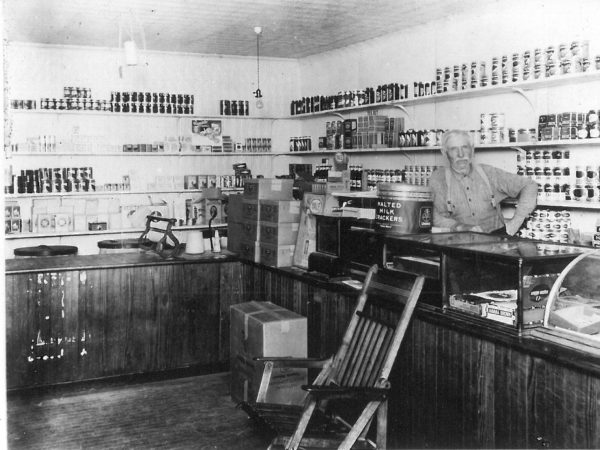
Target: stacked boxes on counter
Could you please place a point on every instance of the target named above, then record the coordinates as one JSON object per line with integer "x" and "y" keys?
{"x": 264, "y": 329}
{"x": 263, "y": 224}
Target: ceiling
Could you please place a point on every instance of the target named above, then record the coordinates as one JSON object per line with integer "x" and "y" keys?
{"x": 291, "y": 28}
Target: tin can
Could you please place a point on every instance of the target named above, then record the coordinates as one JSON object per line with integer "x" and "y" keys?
{"x": 484, "y": 136}
{"x": 504, "y": 69}
{"x": 475, "y": 75}
{"x": 497, "y": 120}
{"x": 512, "y": 135}
{"x": 563, "y": 51}
{"x": 464, "y": 76}
{"x": 495, "y": 71}
{"x": 485, "y": 121}
{"x": 550, "y": 51}
{"x": 585, "y": 64}
{"x": 526, "y": 59}
{"x": 496, "y": 136}
{"x": 483, "y": 79}
{"x": 516, "y": 67}
{"x": 566, "y": 65}
{"x": 537, "y": 55}
{"x": 446, "y": 85}
{"x": 591, "y": 173}
{"x": 533, "y": 135}
{"x": 550, "y": 68}
{"x": 537, "y": 70}
{"x": 455, "y": 77}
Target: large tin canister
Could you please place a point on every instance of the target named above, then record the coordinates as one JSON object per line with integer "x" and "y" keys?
{"x": 404, "y": 208}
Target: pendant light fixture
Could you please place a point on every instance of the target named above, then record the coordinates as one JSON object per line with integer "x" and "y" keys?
{"x": 257, "y": 93}
{"x": 130, "y": 28}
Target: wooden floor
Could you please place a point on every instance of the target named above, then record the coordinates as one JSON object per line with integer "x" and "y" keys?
{"x": 183, "y": 413}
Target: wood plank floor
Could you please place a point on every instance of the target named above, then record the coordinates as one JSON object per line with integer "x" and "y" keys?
{"x": 183, "y": 413}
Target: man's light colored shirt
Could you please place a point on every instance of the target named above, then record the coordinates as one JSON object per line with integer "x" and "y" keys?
{"x": 470, "y": 197}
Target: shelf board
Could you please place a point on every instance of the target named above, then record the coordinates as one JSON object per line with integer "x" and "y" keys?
{"x": 104, "y": 232}
{"x": 559, "y": 80}
{"x": 507, "y": 145}
{"x": 141, "y": 154}
{"x": 140, "y": 115}
{"x": 112, "y": 193}
{"x": 558, "y": 204}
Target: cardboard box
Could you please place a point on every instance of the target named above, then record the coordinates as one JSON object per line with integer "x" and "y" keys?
{"x": 265, "y": 329}
{"x": 278, "y": 233}
{"x": 249, "y": 250}
{"x": 276, "y": 255}
{"x": 235, "y": 236}
{"x": 268, "y": 189}
{"x": 279, "y": 211}
{"x": 235, "y": 208}
{"x": 251, "y": 210}
{"x": 251, "y": 230}
{"x": 306, "y": 242}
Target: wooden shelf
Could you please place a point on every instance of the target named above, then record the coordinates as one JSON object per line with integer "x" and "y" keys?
{"x": 507, "y": 145}
{"x": 140, "y": 154}
{"x": 104, "y": 232}
{"x": 570, "y": 204}
{"x": 140, "y": 115}
{"x": 111, "y": 193}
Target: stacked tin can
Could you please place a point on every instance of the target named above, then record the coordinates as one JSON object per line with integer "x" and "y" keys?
{"x": 492, "y": 128}
{"x": 417, "y": 175}
{"x": 569, "y": 125}
{"x": 551, "y": 170}
{"x": 548, "y": 225}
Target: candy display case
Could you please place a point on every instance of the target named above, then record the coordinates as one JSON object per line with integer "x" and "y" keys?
{"x": 506, "y": 283}
{"x": 574, "y": 301}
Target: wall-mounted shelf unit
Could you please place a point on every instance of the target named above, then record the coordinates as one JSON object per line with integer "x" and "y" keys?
{"x": 519, "y": 87}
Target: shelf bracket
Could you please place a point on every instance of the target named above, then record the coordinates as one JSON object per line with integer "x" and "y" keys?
{"x": 522, "y": 93}
{"x": 519, "y": 149}
{"x": 403, "y": 109}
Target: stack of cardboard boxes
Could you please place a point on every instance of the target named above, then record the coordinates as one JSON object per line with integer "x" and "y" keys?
{"x": 263, "y": 223}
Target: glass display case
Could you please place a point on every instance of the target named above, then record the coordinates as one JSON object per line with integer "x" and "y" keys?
{"x": 574, "y": 301}
{"x": 421, "y": 253}
{"x": 506, "y": 282}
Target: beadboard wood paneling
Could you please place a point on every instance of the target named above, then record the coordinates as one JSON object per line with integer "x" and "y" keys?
{"x": 116, "y": 321}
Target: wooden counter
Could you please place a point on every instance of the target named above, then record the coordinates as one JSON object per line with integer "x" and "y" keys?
{"x": 86, "y": 317}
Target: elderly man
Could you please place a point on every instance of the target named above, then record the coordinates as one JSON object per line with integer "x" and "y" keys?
{"x": 467, "y": 196}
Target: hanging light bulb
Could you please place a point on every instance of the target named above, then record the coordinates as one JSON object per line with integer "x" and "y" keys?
{"x": 130, "y": 53}
{"x": 257, "y": 93}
